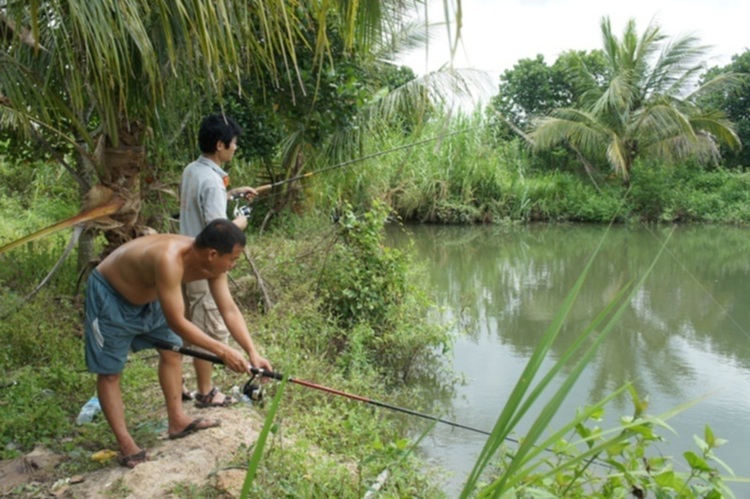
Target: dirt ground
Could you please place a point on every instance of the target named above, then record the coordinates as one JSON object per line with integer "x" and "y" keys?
{"x": 198, "y": 459}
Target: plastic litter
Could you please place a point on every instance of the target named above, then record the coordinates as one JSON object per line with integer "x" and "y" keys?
{"x": 89, "y": 410}
{"x": 238, "y": 395}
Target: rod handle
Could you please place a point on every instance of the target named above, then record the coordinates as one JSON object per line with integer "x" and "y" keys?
{"x": 163, "y": 345}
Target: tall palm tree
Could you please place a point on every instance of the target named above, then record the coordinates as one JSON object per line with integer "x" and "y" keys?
{"x": 645, "y": 105}
{"x": 98, "y": 77}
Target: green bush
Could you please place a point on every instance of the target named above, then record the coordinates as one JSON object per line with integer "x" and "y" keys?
{"x": 366, "y": 288}
{"x": 363, "y": 280}
{"x": 652, "y": 190}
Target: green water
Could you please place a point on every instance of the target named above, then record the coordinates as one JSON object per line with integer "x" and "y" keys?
{"x": 685, "y": 335}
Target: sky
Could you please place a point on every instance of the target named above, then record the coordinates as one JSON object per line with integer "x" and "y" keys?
{"x": 498, "y": 33}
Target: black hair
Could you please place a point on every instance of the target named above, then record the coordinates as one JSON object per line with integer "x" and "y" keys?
{"x": 214, "y": 128}
{"x": 222, "y": 235}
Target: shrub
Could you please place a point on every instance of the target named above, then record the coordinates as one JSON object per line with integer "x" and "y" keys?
{"x": 366, "y": 288}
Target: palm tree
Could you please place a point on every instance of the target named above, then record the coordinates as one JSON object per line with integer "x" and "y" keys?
{"x": 100, "y": 78}
{"x": 645, "y": 105}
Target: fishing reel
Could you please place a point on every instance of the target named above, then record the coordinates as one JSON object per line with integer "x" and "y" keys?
{"x": 240, "y": 207}
{"x": 253, "y": 390}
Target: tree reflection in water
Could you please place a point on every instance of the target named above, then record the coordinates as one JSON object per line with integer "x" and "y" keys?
{"x": 512, "y": 280}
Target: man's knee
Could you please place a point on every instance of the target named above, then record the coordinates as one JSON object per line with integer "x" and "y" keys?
{"x": 170, "y": 358}
{"x": 109, "y": 378}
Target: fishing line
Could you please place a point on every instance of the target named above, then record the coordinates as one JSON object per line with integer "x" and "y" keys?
{"x": 700, "y": 284}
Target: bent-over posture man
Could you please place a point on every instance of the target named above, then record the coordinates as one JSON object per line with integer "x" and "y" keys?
{"x": 135, "y": 294}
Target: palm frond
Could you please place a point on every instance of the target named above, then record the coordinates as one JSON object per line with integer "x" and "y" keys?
{"x": 618, "y": 155}
{"x": 648, "y": 105}
{"x": 578, "y": 127}
{"x": 719, "y": 127}
{"x": 724, "y": 83}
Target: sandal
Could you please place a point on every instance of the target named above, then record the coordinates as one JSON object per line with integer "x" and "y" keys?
{"x": 133, "y": 460}
{"x": 186, "y": 395}
{"x": 207, "y": 400}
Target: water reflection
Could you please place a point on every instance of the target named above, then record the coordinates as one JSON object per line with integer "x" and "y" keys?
{"x": 684, "y": 325}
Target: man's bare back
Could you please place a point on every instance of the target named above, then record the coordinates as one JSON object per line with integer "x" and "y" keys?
{"x": 132, "y": 269}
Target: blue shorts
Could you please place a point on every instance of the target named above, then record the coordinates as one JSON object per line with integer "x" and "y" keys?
{"x": 114, "y": 326}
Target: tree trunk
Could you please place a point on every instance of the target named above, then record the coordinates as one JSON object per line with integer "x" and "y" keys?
{"x": 85, "y": 172}
{"x": 119, "y": 168}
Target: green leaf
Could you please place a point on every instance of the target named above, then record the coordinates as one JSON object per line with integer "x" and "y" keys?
{"x": 666, "y": 479}
{"x": 702, "y": 445}
{"x": 696, "y": 462}
{"x": 709, "y": 436}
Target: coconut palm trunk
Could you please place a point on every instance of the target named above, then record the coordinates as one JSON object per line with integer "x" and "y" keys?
{"x": 120, "y": 167}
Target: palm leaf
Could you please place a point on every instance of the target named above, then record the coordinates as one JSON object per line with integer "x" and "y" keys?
{"x": 81, "y": 218}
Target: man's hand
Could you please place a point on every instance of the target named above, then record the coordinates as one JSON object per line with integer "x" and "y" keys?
{"x": 259, "y": 362}
{"x": 246, "y": 192}
{"x": 241, "y": 222}
{"x": 235, "y": 361}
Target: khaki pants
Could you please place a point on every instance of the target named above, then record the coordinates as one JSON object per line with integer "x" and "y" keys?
{"x": 201, "y": 310}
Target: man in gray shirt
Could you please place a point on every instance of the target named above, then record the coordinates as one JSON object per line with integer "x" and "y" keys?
{"x": 203, "y": 198}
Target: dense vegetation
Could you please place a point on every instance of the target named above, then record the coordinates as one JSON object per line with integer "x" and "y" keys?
{"x": 350, "y": 309}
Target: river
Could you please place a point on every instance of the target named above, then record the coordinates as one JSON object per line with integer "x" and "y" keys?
{"x": 684, "y": 337}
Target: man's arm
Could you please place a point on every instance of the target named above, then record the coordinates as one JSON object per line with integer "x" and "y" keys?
{"x": 169, "y": 291}
{"x": 234, "y": 320}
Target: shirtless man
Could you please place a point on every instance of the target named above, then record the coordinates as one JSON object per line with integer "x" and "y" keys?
{"x": 135, "y": 294}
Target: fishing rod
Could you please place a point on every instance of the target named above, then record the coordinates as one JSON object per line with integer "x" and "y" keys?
{"x": 253, "y": 392}
{"x": 266, "y": 187}
{"x": 241, "y": 209}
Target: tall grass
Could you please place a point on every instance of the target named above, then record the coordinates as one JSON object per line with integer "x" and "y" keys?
{"x": 465, "y": 175}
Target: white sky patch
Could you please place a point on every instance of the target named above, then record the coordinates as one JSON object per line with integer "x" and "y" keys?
{"x": 498, "y": 33}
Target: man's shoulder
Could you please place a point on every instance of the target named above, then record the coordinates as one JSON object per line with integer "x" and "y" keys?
{"x": 162, "y": 242}
{"x": 202, "y": 170}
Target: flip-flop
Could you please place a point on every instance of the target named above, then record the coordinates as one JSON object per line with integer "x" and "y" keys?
{"x": 133, "y": 460}
{"x": 193, "y": 427}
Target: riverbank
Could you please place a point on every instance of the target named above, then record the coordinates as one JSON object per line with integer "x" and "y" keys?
{"x": 207, "y": 464}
